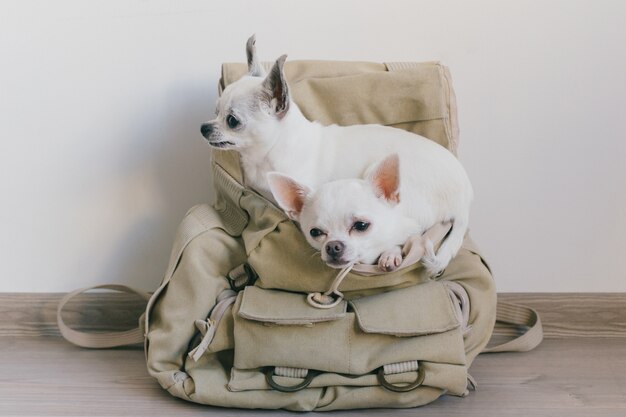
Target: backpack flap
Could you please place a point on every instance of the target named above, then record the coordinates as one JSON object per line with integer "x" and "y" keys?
{"x": 414, "y": 311}
{"x": 415, "y": 96}
{"x": 283, "y": 308}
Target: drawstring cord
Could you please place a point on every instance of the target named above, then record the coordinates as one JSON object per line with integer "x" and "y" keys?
{"x": 326, "y": 300}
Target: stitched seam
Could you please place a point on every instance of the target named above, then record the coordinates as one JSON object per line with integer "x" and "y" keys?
{"x": 410, "y": 334}
{"x": 446, "y": 102}
{"x": 350, "y": 348}
{"x": 289, "y": 319}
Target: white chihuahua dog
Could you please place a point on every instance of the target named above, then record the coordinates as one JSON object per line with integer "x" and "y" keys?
{"x": 257, "y": 118}
{"x": 367, "y": 220}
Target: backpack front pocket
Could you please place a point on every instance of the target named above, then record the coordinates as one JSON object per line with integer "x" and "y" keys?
{"x": 392, "y": 333}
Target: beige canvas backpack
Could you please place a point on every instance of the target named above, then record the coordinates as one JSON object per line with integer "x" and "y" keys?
{"x": 232, "y": 324}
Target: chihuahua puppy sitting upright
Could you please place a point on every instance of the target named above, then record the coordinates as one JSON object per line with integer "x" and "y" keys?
{"x": 257, "y": 118}
{"x": 367, "y": 220}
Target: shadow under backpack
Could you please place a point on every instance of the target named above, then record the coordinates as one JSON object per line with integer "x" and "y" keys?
{"x": 230, "y": 325}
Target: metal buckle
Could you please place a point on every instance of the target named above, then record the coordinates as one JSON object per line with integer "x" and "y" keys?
{"x": 400, "y": 388}
{"x": 269, "y": 377}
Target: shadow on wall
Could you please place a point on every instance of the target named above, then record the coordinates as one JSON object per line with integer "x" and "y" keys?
{"x": 166, "y": 172}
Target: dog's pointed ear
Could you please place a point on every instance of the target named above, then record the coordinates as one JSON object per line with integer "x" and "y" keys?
{"x": 275, "y": 85}
{"x": 385, "y": 178}
{"x": 254, "y": 66}
{"x": 288, "y": 193}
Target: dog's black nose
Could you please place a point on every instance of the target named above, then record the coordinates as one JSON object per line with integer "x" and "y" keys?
{"x": 335, "y": 249}
{"x": 206, "y": 129}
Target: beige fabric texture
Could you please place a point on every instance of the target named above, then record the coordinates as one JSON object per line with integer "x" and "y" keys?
{"x": 385, "y": 319}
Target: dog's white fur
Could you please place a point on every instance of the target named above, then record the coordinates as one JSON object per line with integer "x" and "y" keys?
{"x": 391, "y": 206}
{"x": 256, "y": 117}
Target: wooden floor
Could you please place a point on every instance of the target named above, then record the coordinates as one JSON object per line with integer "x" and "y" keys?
{"x": 46, "y": 376}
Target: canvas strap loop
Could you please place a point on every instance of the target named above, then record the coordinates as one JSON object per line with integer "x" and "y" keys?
{"x": 103, "y": 339}
{"x": 241, "y": 277}
{"x": 520, "y": 316}
{"x": 290, "y": 372}
{"x": 400, "y": 367}
{"x": 207, "y": 327}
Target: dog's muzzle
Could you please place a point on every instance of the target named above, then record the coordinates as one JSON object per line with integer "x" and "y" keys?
{"x": 206, "y": 129}
{"x": 335, "y": 254}
{"x": 335, "y": 249}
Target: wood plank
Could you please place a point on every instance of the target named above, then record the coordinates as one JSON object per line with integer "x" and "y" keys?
{"x": 576, "y": 314}
{"x": 562, "y": 314}
{"x": 34, "y": 314}
{"x": 576, "y": 377}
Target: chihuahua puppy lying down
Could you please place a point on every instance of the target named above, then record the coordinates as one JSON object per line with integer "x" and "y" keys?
{"x": 367, "y": 220}
{"x": 257, "y": 118}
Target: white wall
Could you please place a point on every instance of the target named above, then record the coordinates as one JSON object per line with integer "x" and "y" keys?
{"x": 101, "y": 103}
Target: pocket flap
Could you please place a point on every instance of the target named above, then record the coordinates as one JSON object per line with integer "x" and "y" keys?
{"x": 281, "y": 307}
{"x": 412, "y": 311}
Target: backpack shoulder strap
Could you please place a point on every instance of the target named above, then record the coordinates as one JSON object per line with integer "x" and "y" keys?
{"x": 198, "y": 220}
{"x": 521, "y": 316}
{"x": 100, "y": 340}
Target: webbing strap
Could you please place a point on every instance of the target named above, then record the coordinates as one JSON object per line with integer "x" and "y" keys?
{"x": 104, "y": 339}
{"x": 207, "y": 327}
{"x": 518, "y": 315}
{"x": 290, "y": 372}
{"x": 400, "y": 367}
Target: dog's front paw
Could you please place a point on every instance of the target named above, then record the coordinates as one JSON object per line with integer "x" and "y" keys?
{"x": 390, "y": 260}
{"x": 434, "y": 266}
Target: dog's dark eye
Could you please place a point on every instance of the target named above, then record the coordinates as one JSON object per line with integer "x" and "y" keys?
{"x": 232, "y": 121}
{"x": 360, "y": 226}
{"x": 315, "y": 232}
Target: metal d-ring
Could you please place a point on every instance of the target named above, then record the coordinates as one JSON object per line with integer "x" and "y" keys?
{"x": 400, "y": 388}
{"x": 269, "y": 377}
